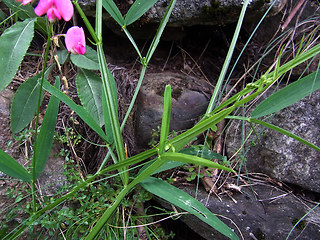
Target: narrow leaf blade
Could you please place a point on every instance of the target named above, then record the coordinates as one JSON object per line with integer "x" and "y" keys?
{"x": 288, "y": 95}
{"x": 181, "y": 157}
{"x": 45, "y": 138}
{"x": 113, "y": 10}
{"x": 137, "y": 9}
{"x": 83, "y": 114}
{"x": 184, "y": 201}
{"x": 285, "y": 132}
{"x": 165, "y": 119}
{"x": 14, "y": 43}
{"x": 89, "y": 87}
{"x": 87, "y": 61}
{"x": 24, "y": 103}
{"x": 12, "y": 168}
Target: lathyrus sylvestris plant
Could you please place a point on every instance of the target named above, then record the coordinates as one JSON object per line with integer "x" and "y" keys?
{"x": 103, "y": 111}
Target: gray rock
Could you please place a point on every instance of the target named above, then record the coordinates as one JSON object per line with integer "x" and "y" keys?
{"x": 268, "y": 215}
{"x": 51, "y": 179}
{"x": 280, "y": 156}
{"x": 189, "y": 102}
{"x": 193, "y": 12}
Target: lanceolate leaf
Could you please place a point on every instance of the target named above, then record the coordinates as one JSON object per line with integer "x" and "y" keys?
{"x": 87, "y": 61}
{"x": 24, "y": 103}
{"x": 89, "y": 87}
{"x": 137, "y": 9}
{"x": 45, "y": 137}
{"x": 165, "y": 119}
{"x": 288, "y": 95}
{"x": 14, "y": 43}
{"x": 184, "y": 201}
{"x": 12, "y": 168}
{"x": 113, "y": 10}
{"x": 83, "y": 114}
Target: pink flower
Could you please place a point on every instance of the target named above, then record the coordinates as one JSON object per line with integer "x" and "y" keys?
{"x": 55, "y": 9}
{"x": 76, "y": 40}
{"x": 24, "y": 2}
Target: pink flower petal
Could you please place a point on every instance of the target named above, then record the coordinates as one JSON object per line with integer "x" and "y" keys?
{"x": 53, "y": 14}
{"x": 25, "y": 2}
{"x": 65, "y": 7}
{"x": 75, "y": 40}
{"x": 43, "y": 6}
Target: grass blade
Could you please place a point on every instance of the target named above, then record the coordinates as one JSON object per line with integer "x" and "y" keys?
{"x": 114, "y": 11}
{"x": 45, "y": 138}
{"x": 183, "y": 200}
{"x": 288, "y": 95}
{"x": 12, "y": 168}
{"x": 160, "y": 30}
{"x": 165, "y": 119}
{"x": 137, "y": 9}
{"x": 83, "y": 114}
{"x": 285, "y": 132}
{"x": 181, "y": 157}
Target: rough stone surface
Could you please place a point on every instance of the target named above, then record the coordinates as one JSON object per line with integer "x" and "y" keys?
{"x": 196, "y": 12}
{"x": 268, "y": 215}
{"x": 52, "y": 177}
{"x": 189, "y": 102}
{"x": 280, "y": 156}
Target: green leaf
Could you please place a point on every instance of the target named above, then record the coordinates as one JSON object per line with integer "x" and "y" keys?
{"x": 45, "y": 137}
{"x": 285, "y": 132}
{"x": 12, "y": 168}
{"x": 181, "y": 157}
{"x": 201, "y": 151}
{"x": 83, "y": 114}
{"x": 137, "y": 9}
{"x": 106, "y": 116}
{"x": 89, "y": 87}
{"x": 87, "y": 61}
{"x": 62, "y": 56}
{"x": 288, "y": 95}
{"x": 113, "y": 10}
{"x": 164, "y": 132}
{"x": 24, "y": 103}
{"x": 184, "y": 201}
{"x": 23, "y": 12}
{"x": 160, "y": 30}
{"x": 14, "y": 43}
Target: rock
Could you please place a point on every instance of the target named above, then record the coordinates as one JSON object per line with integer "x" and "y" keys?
{"x": 268, "y": 215}
{"x": 185, "y": 13}
{"x": 52, "y": 177}
{"x": 189, "y": 102}
{"x": 280, "y": 156}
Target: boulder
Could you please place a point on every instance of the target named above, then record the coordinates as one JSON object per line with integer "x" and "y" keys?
{"x": 189, "y": 102}
{"x": 267, "y": 213}
{"x": 185, "y": 13}
{"x": 278, "y": 155}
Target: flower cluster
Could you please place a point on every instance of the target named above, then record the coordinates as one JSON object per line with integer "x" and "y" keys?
{"x": 56, "y": 9}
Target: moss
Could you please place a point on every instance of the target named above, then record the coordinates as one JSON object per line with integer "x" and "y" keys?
{"x": 260, "y": 235}
{"x": 219, "y": 12}
{"x": 301, "y": 225}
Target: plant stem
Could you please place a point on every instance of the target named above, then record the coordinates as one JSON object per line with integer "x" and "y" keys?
{"x": 228, "y": 58}
{"x": 35, "y": 137}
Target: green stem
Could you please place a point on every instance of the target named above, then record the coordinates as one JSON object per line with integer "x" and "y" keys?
{"x": 106, "y": 80}
{"x": 228, "y": 58}
{"x": 37, "y": 118}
